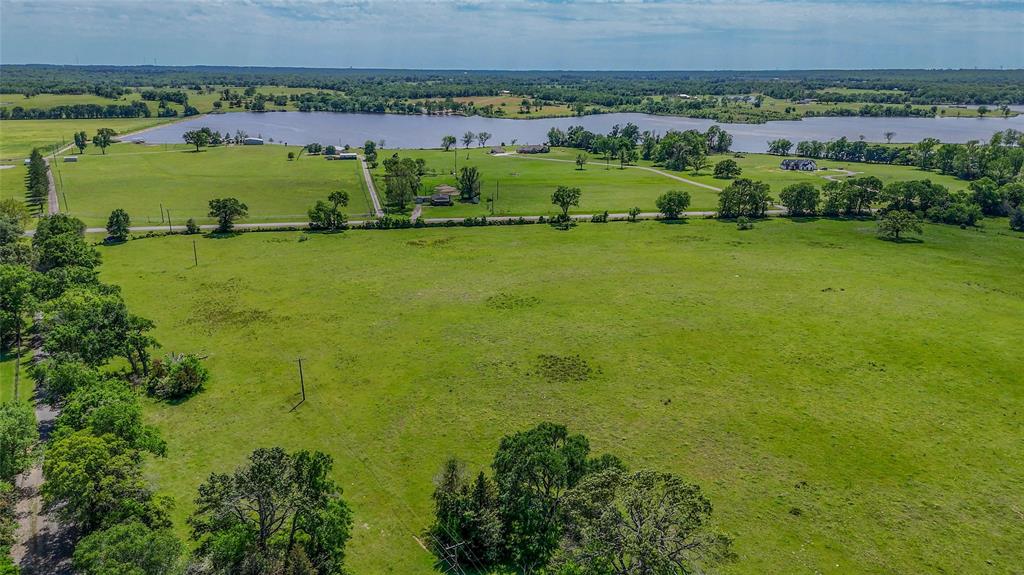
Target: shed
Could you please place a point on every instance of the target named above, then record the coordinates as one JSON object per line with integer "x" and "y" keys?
{"x": 253, "y": 141}
{"x": 803, "y": 165}
{"x": 70, "y": 158}
{"x": 497, "y": 150}
{"x": 441, "y": 200}
{"x": 347, "y": 156}
{"x": 534, "y": 149}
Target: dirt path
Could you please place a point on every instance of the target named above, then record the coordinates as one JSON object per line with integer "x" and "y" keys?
{"x": 377, "y": 208}
{"x": 42, "y": 545}
{"x": 52, "y": 206}
{"x": 845, "y": 174}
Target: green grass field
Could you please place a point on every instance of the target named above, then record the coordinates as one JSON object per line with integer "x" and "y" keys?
{"x": 850, "y": 405}
{"x": 523, "y": 185}
{"x": 18, "y": 137}
{"x": 765, "y": 168}
{"x": 139, "y": 178}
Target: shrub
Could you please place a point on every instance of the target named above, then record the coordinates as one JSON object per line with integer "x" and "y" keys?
{"x": 191, "y": 227}
{"x": 177, "y": 376}
{"x": 727, "y": 169}
{"x": 633, "y": 213}
{"x": 1017, "y": 219}
{"x": 600, "y": 218}
{"x": 744, "y": 223}
{"x": 672, "y": 203}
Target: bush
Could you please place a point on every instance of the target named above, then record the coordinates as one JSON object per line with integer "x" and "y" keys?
{"x": 727, "y": 169}
{"x": 672, "y": 203}
{"x": 744, "y": 223}
{"x": 191, "y": 227}
{"x": 600, "y": 218}
{"x": 177, "y": 376}
{"x": 1017, "y": 219}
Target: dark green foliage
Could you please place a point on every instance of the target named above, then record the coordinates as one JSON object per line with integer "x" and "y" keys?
{"x": 37, "y": 183}
{"x": 108, "y": 407}
{"x": 469, "y": 183}
{"x": 744, "y": 197}
{"x": 673, "y": 203}
{"x": 641, "y": 522}
{"x": 401, "y": 181}
{"x": 780, "y": 147}
{"x": 800, "y": 199}
{"x": 177, "y": 376}
{"x": 328, "y": 216}
{"x": 227, "y": 210}
{"x": 370, "y": 153}
{"x": 895, "y": 222}
{"x": 199, "y": 138}
{"x": 129, "y": 548}
{"x": 18, "y": 437}
{"x": 94, "y": 482}
{"x": 61, "y": 374}
{"x": 268, "y": 507}
{"x": 118, "y": 225}
{"x": 466, "y": 517}
{"x": 191, "y": 227}
{"x": 565, "y": 197}
{"x": 727, "y": 169}
{"x": 533, "y": 471}
{"x": 1017, "y": 219}
{"x": 104, "y": 138}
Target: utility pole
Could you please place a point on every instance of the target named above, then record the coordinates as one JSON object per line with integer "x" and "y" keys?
{"x": 161, "y": 212}
{"x": 169, "y": 230}
{"x": 195, "y": 255}
{"x": 302, "y": 380}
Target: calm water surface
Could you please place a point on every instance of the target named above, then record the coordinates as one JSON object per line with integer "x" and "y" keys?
{"x": 426, "y": 131}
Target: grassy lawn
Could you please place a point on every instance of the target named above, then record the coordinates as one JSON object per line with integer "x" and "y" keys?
{"x": 18, "y": 137}
{"x": 850, "y": 405}
{"x": 524, "y": 185}
{"x": 26, "y": 385}
{"x": 765, "y": 168}
{"x": 139, "y": 178}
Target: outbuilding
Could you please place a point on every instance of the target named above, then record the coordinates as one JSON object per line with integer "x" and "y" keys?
{"x": 70, "y": 158}
{"x": 441, "y": 200}
{"x": 253, "y": 141}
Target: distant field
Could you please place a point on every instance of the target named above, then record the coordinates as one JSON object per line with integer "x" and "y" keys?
{"x": 765, "y": 168}
{"x": 139, "y": 178}
{"x": 524, "y": 185}
{"x": 851, "y": 406}
{"x": 18, "y": 137}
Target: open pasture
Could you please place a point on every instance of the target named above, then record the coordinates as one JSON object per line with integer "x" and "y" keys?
{"x": 849, "y": 405}
{"x": 523, "y": 184}
{"x": 140, "y": 178}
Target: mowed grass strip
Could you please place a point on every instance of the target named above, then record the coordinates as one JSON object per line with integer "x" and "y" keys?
{"x": 850, "y": 405}
{"x": 140, "y": 178}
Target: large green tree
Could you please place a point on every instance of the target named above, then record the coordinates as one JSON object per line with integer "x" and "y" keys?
{"x": 94, "y": 482}
{"x": 673, "y": 203}
{"x": 647, "y": 522}
{"x": 108, "y": 407}
{"x": 401, "y": 181}
{"x": 270, "y": 506}
{"x": 118, "y": 225}
{"x": 800, "y": 199}
{"x": 227, "y": 210}
{"x": 566, "y": 197}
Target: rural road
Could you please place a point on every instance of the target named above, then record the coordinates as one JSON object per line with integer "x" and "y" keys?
{"x": 377, "y": 208}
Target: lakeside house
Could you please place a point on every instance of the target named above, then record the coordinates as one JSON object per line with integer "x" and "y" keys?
{"x": 533, "y": 149}
{"x": 252, "y": 141}
{"x": 802, "y": 165}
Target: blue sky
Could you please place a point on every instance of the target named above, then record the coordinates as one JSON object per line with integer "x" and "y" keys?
{"x": 604, "y": 35}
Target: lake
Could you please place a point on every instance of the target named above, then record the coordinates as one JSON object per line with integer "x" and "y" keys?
{"x": 399, "y": 131}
